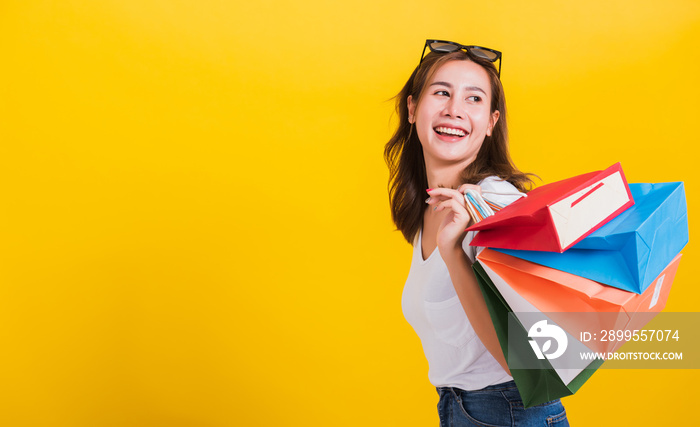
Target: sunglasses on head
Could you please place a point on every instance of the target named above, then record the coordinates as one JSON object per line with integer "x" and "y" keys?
{"x": 443, "y": 46}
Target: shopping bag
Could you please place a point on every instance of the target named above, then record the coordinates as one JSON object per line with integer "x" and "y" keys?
{"x": 566, "y": 361}
{"x": 632, "y": 249}
{"x": 579, "y": 305}
{"x": 555, "y": 216}
{"x": 536, "y": 385}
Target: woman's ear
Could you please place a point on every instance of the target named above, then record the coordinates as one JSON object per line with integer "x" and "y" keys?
{"x": 494, "y": 118}
{"x": 411, "y": 109}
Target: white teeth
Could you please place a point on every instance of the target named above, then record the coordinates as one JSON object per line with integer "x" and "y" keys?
{"x": 450, "y": 131}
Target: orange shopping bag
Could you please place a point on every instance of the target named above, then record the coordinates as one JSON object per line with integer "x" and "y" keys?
{"x": 579, "y": 305}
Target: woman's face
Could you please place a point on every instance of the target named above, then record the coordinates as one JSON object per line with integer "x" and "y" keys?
{"x": 453, "y": 116}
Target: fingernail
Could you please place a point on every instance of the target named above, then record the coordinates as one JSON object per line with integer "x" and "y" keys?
{"x": 429, "y": 190}
{"x": 427, "y": 200}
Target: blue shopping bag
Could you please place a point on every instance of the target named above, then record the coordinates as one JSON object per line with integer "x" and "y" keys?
{"x": 631, "y": 250}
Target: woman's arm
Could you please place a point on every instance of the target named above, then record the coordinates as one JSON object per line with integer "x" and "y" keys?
{"x": 449, "y": 242}
{"x": 473, "y": 302}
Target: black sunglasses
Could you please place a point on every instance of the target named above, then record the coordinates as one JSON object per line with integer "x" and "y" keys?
{"x": 443, "y": 46}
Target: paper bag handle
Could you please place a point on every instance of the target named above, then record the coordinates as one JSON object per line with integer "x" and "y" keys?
{"x": 588, "y": 193}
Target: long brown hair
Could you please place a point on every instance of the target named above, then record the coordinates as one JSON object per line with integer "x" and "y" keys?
{"x": 404, "y": 153}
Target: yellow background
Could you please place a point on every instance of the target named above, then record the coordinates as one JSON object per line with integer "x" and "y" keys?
{"x": 194, "y": 224}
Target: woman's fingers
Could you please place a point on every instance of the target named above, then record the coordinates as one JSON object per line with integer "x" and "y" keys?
{"x": 464, "y": 187}
{"x": 438, "y": 195}
{"x": 443, "y": 193}
{"x": 451, "y": 230}
{"x": 456, "y": 206}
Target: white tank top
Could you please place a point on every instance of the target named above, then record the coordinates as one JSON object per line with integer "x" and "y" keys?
{"x": 456, "y": 356}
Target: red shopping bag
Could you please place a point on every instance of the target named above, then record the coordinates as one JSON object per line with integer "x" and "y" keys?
{"x": 556, "y": 216}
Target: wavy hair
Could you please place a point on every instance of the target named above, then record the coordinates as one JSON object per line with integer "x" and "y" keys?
{"x": 404, "y": 153}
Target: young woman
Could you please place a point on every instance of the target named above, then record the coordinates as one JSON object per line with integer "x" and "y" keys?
{"x": 452, "y": 136}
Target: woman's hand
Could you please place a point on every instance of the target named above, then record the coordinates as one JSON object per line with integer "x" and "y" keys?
{"x": 451, "y": 229}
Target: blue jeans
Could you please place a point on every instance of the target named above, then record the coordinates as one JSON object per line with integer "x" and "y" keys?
{"x": 496, "y": 405}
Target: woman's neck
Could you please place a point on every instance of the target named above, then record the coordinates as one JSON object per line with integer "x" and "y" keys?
{"x": 445, "y": 175}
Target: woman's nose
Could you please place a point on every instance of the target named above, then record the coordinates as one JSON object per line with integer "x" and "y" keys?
{"x": 453, "y": 110}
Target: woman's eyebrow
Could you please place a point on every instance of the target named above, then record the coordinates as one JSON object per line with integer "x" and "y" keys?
{"x": 475, "y": 88}
{"x": 449, "y": 85}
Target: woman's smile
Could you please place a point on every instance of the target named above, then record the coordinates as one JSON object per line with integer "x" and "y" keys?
{"x": 450, "y": 133}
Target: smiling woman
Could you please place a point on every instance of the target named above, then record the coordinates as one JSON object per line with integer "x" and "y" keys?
{"x": 452, "y": 136}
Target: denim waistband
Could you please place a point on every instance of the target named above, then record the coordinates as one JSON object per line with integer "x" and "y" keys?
{"x": 508, "y": 385}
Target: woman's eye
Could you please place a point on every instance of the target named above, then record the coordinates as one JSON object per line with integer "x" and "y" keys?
{"x": 442, "y": 93}
{"x": 474, "y": 98}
